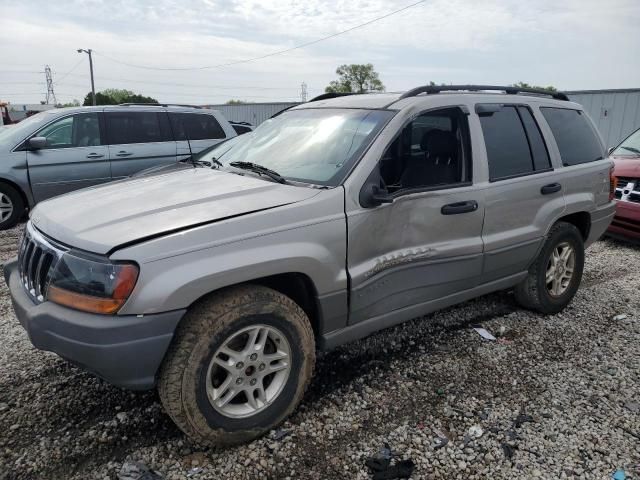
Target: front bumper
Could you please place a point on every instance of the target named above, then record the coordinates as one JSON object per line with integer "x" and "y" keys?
{"x": 626, "y": 223}
{"x": 124, "y": 350}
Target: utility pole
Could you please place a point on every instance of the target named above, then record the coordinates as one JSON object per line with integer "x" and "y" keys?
{"x": 303, "y": 92}
{"x": 50, "y": 94}
{"x": 93, "y": 88}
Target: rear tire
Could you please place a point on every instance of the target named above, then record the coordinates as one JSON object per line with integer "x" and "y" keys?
{"x": 11, "y": 206}
{"x": 204, "y": 366}
{"x": 553, "y": 281}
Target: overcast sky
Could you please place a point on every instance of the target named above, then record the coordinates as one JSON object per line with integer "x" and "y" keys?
{"x": 571, "y": 44}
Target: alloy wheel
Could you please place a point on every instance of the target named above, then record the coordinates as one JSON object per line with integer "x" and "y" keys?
{"x": 6, "y": 207}
{"x": 560, "y": 269}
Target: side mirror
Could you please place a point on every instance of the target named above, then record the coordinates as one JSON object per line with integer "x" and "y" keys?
{"x": 610, "y": 151}
{"x": 38, "y": 142}
{"x": 372, "y": 195}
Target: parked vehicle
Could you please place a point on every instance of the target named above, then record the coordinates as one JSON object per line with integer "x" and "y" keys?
{"x": 242, "y": 127}
{"x": 333, "y": 220}
{"x": 626, "y": 157}
{"x": 66, "y": 149}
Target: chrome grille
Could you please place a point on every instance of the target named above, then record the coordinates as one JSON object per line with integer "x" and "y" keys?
{"x": 37, "y": 259}
{"x": 628, "y": 189}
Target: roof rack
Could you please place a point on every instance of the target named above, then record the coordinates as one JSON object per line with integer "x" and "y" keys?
{"x": 157, "y": 105}
{"x": 327, "y": 96}
{"x": 429, "y": 89}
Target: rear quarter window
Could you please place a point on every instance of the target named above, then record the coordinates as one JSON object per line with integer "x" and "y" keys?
{"x": 576, "y": 138}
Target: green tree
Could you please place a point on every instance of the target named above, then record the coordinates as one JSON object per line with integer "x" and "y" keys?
{"x": 115, "y": 96}
{"x": 356, "y": 78}
{"x": 75, "y": 103}
{"x": 549, "y": 88}
{"x": 235, "y": 102}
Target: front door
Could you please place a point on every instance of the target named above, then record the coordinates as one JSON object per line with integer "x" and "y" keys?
{"x": 138, "y": 140}
{"x": 426, "y": 244}
{"x": 75, "y": 156}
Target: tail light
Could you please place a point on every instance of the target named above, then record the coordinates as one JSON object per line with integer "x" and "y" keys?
{"x": 613, "y": 183}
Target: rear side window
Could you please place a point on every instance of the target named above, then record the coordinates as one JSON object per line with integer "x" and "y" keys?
{"x": 576, "y": 138}
{"x": 195, "y": 126}
{"x": 513, "y": 141}
{"x": 133, "y": 127}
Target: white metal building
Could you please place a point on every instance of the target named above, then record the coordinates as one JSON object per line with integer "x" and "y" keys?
{"x": 616, "y": 113}
{"x": 253, "y": 113}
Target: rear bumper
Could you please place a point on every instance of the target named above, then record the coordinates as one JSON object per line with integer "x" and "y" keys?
{"x": 124, "y": 350}
{"x": 627, "y": 220}
{"x": 600, "y": 220}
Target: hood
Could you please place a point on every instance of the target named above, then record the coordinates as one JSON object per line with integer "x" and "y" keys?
{"x": 627, "y": 166}
{"x": 99, "y": 219}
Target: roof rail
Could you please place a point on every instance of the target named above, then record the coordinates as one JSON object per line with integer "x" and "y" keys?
{"x": 429, "y": 89}
{"x": 157, "y": 105}
{"x": 327, "y": 96}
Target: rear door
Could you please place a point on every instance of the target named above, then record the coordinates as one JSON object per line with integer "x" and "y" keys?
{"x": 523, "y": 195}
{"x": 138, "y": 140}
{"x": 195, "y": 131}
{"x": 76, "y": 156}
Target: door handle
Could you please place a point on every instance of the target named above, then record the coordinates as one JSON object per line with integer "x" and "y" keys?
{"x": 122, "y": 153}
{"x": 459, "y": 207}
{"x": 551, "y": 188}
{"x": 95, "y": 155}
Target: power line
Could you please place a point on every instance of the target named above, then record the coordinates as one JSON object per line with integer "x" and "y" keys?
{"x": 69, "y": 72}
{"x": 307, "y": 44}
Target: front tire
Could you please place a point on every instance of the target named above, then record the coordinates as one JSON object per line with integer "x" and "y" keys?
{"x": 239, "y": 364}
{"x": 555, "y": 276}
{"x": 11, "y": 206}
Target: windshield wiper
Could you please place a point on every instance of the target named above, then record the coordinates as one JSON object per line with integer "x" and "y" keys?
{"x": 195, "y": 162}
{"x": 631, "y": 149}
{"x": 254, "y": 167}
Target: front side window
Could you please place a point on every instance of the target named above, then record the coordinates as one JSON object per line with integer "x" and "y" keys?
{"x": 513, "y": 141}
{"x": 133, "y": 127}
{"x": 195, "y": 126}
{"x": 316, "y": 146}
{"x": 82, "y": 130}
{"x": 576, "y": 138}
{"x": 433, "y": 150}
{"x": 630, "y": 147}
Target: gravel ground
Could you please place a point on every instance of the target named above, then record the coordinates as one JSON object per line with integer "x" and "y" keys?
{"x": 554, "y": 397}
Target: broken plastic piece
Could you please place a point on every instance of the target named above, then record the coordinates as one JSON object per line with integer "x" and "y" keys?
{"x": 622, "y": 316}
{"x": 619, "y": 475}
{"x": 280, "y": 434}
{"x": 194, "y": 471}
{"x": 484, "y": 333}
{"x": 402, "y": 469}
{"x": 522, "y": 418}
{"x": 137, "y": 471}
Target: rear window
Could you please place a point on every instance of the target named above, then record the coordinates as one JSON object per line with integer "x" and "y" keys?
{"x": 195, "y": 126}
{"x": 133, "y": 127}
{"x": 513, "y": 141}
{"x": 576, "y": 138}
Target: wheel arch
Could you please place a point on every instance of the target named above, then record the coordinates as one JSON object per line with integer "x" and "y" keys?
{"x": 581, "y": 220}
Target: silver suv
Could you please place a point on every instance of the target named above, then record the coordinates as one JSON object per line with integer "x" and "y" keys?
{"x": 65, "y": 149}
{"x": 217, "y": 283}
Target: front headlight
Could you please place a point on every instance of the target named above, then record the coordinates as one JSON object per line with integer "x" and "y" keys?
{"x": 91, "y": 283}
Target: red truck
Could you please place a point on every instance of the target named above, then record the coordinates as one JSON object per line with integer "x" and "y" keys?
{"x": 626, "y": 157}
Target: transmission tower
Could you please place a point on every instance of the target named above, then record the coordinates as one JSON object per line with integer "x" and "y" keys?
{"x": 50, "y": 93}
{"x": 303, "y": 92}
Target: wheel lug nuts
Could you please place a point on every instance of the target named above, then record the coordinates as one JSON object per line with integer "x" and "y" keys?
{"x": 253, "y": 382}
{"x": 239, "y": 365}
{"x": 261, "y": 367}
{"x": 253, "y": 356}
{"x": 239, "y": 381}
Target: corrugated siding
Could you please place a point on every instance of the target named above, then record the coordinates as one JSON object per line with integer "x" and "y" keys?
{"x": 616, "y": 114}
{"x": 254, "y": 113}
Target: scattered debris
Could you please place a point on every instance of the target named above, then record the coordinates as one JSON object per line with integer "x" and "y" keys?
{"x": 501, "y": 331}
{"x": 137, "y": 471}
{"x": 622, "y": 316}
{"x": 475, "y": 431}
{"x": 194, "y": 471}
{"x": 619, "y": 475}
{"x": 508, "y": 450}
{"x": 632, "y": 406}
{"x": 483, "y": 332}
{"x": 522, "y": 418}
{"x": 280, "y": 434}
{"x": 380, "y": 466}
{"x": 442, "y": 438}
{"x": 122, "y": 417}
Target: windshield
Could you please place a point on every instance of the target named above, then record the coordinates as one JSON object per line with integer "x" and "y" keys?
{"x": 22, "y": 129}
{"x": 630, "y": 147}
{"x": 218, "y": 150}
{"x": 312, "y": 146}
